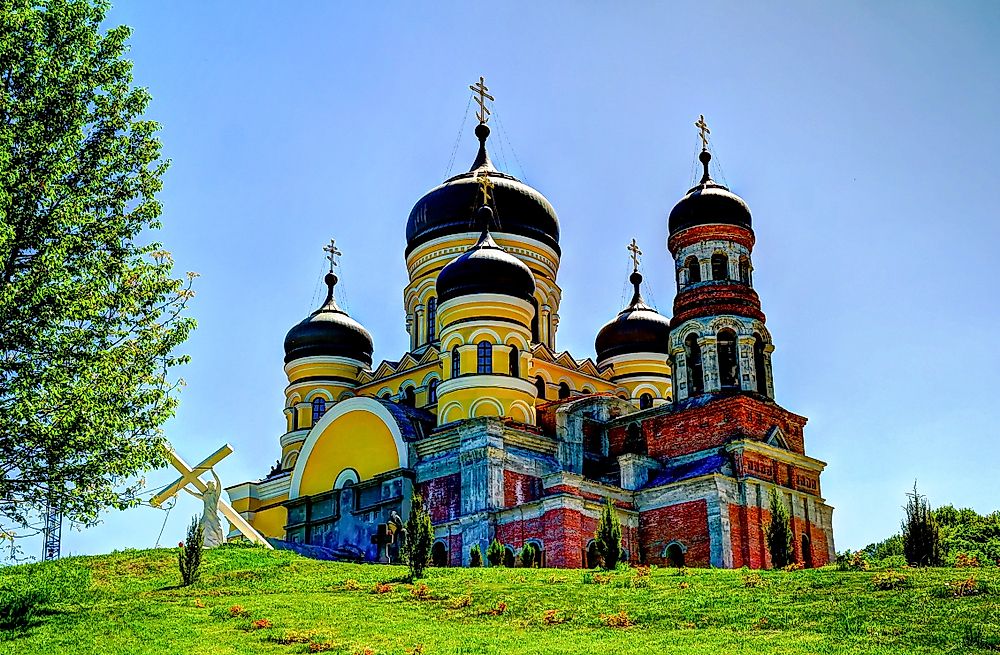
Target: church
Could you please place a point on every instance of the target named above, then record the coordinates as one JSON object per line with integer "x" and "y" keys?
{"x": 505, "y": 437}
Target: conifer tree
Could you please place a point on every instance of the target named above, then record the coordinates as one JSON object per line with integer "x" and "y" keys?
{"x": 608, "y": 537}
{"x": 779, "y": 533}
{"x": 921, "y": 539}
{"x": 495, "y": 553}
{"x": 189, "y": 557}
{"x": 419, "y": 536}
{"x": 475, "y": 556}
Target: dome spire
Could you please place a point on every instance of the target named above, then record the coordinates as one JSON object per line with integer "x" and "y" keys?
{"x": 332, "y": 253}
{"x": 705, "y": 155}
{"x": 482, "y": 130}
{"x": 636, "y": 277}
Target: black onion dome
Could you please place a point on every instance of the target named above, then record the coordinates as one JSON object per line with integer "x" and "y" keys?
{"x": 330, "y": 332}
{"x": 445, "y": 209}
{"x": 709, "y": 203}
{"x": 637, "y": 329}
{"x": 485, "y": 268}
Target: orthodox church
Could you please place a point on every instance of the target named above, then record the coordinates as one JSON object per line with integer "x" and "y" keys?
{"x": 674, "y": 419}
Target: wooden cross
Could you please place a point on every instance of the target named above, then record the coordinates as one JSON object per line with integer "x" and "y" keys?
{"x": 485, "y": 185}
{"x": 332, "y": 253}
{"x": 633, "y": 248}
{"x": 480, "y": 88}
{"x": 703, "y": 131}
{"x": 191, "y": 476}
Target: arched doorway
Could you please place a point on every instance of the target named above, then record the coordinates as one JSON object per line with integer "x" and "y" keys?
{"x": 675, "y": 555}
{"x": 593, "y": 559}
{"x": 439, "y": 554}
{"x": 508, "y": 557}
{"x": 807, "y": 556}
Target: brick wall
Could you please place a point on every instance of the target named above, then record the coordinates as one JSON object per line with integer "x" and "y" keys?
{"x": 519, "y": 488}
{"x": 442, "y": 497}
{"x": 749, "y": 540}
{"x": 684, "y": 522}
{"x": 714, "y": 424}
{"x": 564, "y": 534}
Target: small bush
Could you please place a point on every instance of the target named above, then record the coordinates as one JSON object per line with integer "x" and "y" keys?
{"x": 260, "y": 624}
{"x": 527, "y": 556}
{"x": 495, "y": 553}
{"x": 352, "y": 585}
{"x": 461, "y": 602}
{"x": 18, "y": 607}
{"x": 320, "y": 647}
{"x": 238, "y": 611}
{"x": 383, "y": 588}
{"x": 890, "y": 580}
{"x": 189, "y": 557}
{"x": 856, "y": 561}
{"x": 619, "y": 620}
{"x": 475, "y": 556}
{"x": 498, "y": 610}
{"x": 419, "y": 537}
{"x": 421, "y": 592}
{"x": 985, "y": 637}
{"x": 965, "y": 561}
{"x": 608, "y": 538}
{"x": 752, "y": 580}
{"x": 892, "y": 562}
{"x": 966, "y": 587}
{"x": 779, "y": 533}
{"x": 551, "y": 617}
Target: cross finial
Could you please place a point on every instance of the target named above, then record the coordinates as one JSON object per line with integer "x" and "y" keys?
{"x": 485, "y": 186}
{"x": 332, "y": 252}
{"x": 703, "y": 131}
{"x": 635, "y": 253}
{"x": 480, "y": 88}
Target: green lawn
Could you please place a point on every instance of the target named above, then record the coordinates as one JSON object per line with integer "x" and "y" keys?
{"x": 130, "y": 603}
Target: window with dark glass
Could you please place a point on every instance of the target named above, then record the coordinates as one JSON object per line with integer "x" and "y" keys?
{"x": 515, "y": 365}
{"x": 563, "y": 390}
{"x": 410, "y": 397}
{"x": 456, "y": 363}
{"x": 319, "y": 408}
{"x": 540, "y": 387}
{"x": 432, "y": 310}
{"x": 432, "y": 392}
{"x": 744, "y": 270}
{"x": 720, "y": 266}
{"x": 645, "y": 401}
{"x": 696, "y": 377}
{"x": 693, "y": 269}
{"x": 485, "y": 360}
{"x": 759, "y": 365}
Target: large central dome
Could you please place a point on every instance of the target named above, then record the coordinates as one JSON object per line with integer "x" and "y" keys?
{"x": 448, "y": 209}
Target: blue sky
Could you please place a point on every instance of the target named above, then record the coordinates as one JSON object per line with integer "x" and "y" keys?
{"x": 863, "y": 136}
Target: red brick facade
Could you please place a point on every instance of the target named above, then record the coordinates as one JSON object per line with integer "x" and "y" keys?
{"x": 443, "y": 497}
{"x": 685, "y": 523}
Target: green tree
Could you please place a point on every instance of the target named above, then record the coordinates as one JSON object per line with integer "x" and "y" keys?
{"x": 495, "y": 553}
{"x": 608, "y": 537}
{"x": 90, "y": 314}
{"x": 779, "y": 533}
{"x": 921, "y": 539}
{"x": 475, "y": 556}
{"x": 189, "y": 557}
{"x": 419, "y": 537}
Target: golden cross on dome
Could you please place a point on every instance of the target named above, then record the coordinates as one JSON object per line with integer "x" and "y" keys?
{"x": 480, "y": 88}
{"x": 703, "y": 131}
{"x": 332, "y": 252}
{"x": 485, "y": 185}
{"x": 633, "y": 248}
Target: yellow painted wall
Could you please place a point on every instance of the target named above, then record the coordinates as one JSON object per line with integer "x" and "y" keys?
{"x": 358, "y": 440}
{"x": 271, "y": 520}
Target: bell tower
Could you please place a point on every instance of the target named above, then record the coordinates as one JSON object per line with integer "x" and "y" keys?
{"x": 718, "y": 340}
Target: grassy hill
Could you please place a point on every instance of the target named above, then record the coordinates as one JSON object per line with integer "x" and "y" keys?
{"x": 255, "y": 601}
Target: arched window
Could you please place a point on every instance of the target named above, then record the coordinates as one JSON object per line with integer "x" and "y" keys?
{"x": 675, "y": 555}
{"x": 693, "y": 269}
{"x": 634, "y": 442}
{"x": 456, "y": 363}
{"x": 439, "y": 554}
{"x": 593, "y": 559}
{"x": 409, "y": 397}
{"x": 745, "y": 269}
{"x": 295, "y": 418}
{"x": 534, "y": 321}
{"x": 696, "y": 376}
{"x": 645, "y": 401}
{"x": 720, "y": 266}
{"x": 540, "y": 387}
{"x": 432, "y": 391}
{"x": 759, "y": 364}
{"x": 386, "y": 396}
{"x": 515, "y": 364}
{"x": 563, "y": 390}
{"x": 319, "y": 408}
{"x": 484, "y": 365}
{"x": 729, "y": 362}
{"x": 432, "y": 312}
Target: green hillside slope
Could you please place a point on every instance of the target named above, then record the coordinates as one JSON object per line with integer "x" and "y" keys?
{"x": 254, "y": 601}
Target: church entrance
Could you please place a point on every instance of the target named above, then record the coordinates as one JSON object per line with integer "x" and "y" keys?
{"x": 439, "y": 554}
{"x": 807, "y": 556}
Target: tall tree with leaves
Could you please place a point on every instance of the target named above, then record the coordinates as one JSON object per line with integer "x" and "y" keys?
{"x": 608, "y": 538}
{"x": 779, "y": 533}
{"x": 90, "y": 312}
{"x": 419, "y": 535}
{"x": 921, "y": 540}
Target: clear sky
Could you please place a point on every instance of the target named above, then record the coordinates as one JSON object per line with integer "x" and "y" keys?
{"x": 864, "y": 136}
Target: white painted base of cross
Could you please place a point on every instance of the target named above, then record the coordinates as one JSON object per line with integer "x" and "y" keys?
{"x": 191, "y": 476}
